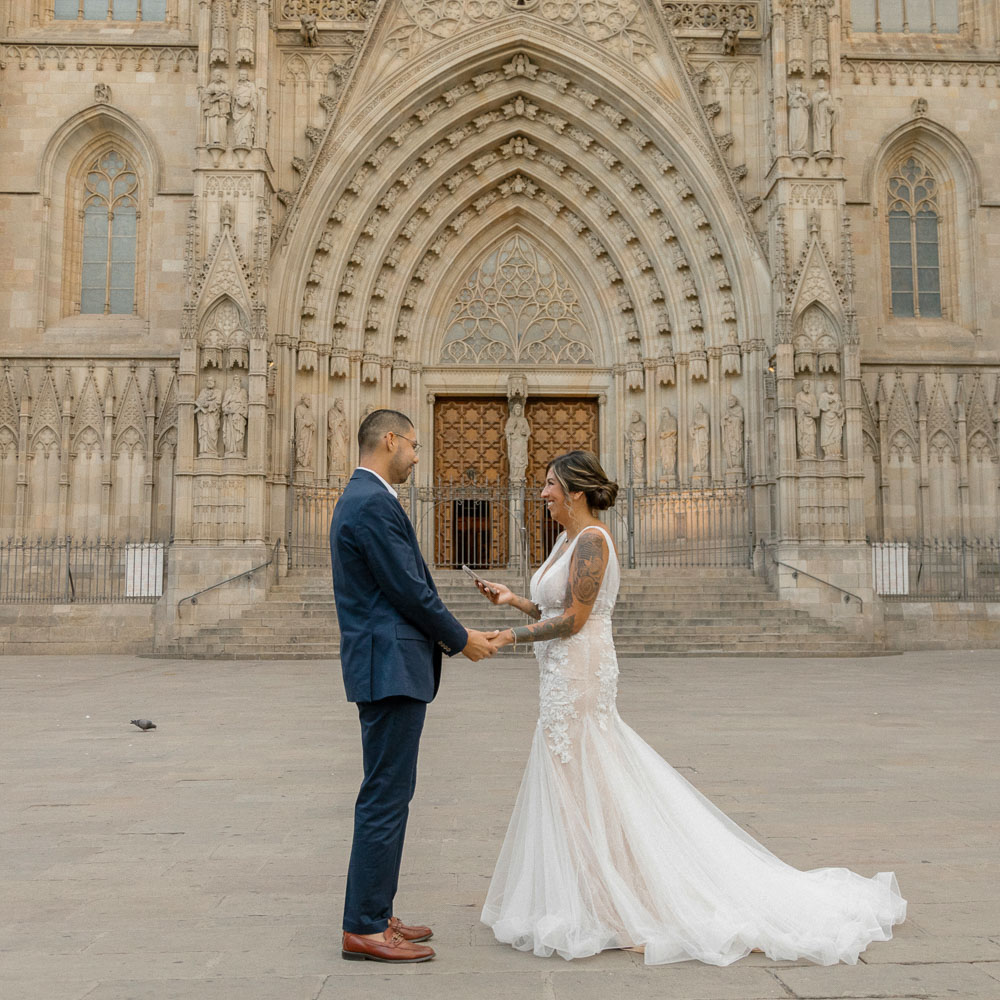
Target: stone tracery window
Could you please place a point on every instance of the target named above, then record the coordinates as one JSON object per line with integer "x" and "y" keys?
{"x": 110, "y": 228}
{"x": 914, "y": 235}
{"x": 110, "y": 10}
{"x": 517, "y": 308}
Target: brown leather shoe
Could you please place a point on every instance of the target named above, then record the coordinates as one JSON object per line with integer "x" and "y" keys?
{"x": 412, "y": 934}
{"x": 392, "y": 948}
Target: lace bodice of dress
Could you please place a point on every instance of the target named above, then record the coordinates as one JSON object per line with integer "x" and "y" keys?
{"x": 578, "y": 676}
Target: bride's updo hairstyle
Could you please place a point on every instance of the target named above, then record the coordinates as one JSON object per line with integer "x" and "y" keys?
{"x": 581, "y": 472}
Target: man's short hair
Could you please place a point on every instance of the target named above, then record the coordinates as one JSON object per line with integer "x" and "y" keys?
{"x": 377, "y": 424}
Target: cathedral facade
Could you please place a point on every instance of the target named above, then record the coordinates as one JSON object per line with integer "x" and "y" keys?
{"x": 737, "y": 248}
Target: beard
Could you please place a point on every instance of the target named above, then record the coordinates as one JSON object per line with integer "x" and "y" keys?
{"x": 399, "y": 469}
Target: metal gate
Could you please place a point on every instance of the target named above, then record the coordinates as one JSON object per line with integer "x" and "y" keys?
{"x": 509, "y": 527}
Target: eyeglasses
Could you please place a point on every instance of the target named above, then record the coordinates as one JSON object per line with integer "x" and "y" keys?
{"x": 413, "y": 444}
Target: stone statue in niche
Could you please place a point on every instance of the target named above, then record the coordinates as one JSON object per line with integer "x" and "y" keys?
{"x": 336, "y": 440}
{"x": 668, "y": 447}
{"x": 824, "y": 113}
{"x": 798, "y": 121}
{"x": 216, "y": 104}
{"x": 244, "y": 111}
{"x": 831, "y": 421}
{"x": 235, "y": 407}
{"x": 207, "y": 409}
{"x": 806, "y": 412}
{"x": 305, "y": 431}
{"x": 732, "y": 435}
{"x": 517, "y": 431}
{"x": 637, "y": 448}
{"x": 700, "y": 442}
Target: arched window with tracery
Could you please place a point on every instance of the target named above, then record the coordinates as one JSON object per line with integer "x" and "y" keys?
{"x": 110, "y": 228}
{"x": 914, "y": 241}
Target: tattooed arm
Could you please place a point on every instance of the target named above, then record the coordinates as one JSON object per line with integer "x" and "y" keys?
{"x": 586, "y": 571}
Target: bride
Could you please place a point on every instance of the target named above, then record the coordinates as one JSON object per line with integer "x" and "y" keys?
{"x": 608, "y": 846}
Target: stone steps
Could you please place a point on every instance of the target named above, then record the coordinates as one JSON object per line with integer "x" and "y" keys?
{"x": 660, "y": 612}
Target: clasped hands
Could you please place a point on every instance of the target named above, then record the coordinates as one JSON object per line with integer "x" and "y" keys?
{"x": 485, "y": 644}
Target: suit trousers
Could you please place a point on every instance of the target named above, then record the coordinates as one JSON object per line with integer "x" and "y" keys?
{"x": 390, "y": 739}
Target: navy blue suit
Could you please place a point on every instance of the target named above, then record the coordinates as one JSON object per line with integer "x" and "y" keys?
{"x": 393, "y": 631}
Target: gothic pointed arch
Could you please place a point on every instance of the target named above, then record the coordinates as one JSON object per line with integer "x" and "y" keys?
{"x": 433, "y": 166}
{"x": 100, "y": 140}
{"x": 87, "y": 429}
{"x": 925, "y": 187}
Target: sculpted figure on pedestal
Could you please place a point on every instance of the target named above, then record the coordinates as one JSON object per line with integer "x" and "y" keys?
{"x": 806, "y": 412}
{"x": 235, "y": 408}
{"x": 517, "y": 431}
{"x": 824, "y": 114}
{"x": 831, "y": 421}
{"x": 207, "y": 408}
{"x": 305, "y": 430}
{"x": 798, "y": 121}
{"x": 244, "y": 111}
{"x": 700, "y": 441}
{"x": 668, "y": 445}
{"x": 732, "y": 435}
{"x": 216, "y": 104}
{"x": 336, "y": 440}
{"x": 637, "y": 448}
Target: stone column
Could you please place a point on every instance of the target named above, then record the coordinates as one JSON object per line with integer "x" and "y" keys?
{"x": 854, "y": 449}
{"x": 788, "y": 521}
{"x": 716, "y": 388}
{"x": 64, "y": 459}
{"x": 963, "y": 462}
{"x": 683, "y": 422}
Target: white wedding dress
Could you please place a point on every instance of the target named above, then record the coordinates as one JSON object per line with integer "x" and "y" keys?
{"x": 609, "y": 847}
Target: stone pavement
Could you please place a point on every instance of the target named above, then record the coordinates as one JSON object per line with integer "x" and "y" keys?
{"x": 205, "y": 860}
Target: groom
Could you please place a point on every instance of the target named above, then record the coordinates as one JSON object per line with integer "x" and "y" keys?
{"x": 393, "y": 630}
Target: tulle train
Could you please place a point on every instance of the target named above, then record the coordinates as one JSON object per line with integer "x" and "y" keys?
{"x": 615, "y": 848}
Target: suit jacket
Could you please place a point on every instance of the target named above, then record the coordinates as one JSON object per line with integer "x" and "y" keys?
{"x": 393, "y": 625}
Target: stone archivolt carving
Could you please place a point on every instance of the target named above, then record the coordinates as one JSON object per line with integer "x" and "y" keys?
{"x": 517, "y": 307}
{"x": 409, "y": 231}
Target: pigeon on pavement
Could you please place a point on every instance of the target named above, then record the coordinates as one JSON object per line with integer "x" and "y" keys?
{"x": 143, "y": 724}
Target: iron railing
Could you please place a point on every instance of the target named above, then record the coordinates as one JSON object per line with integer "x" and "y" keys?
{"x": 937, "y": 570}
{"x": 508, "y": 527}
{"x": 78, "y": 571}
